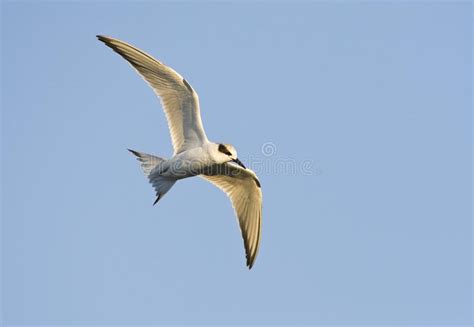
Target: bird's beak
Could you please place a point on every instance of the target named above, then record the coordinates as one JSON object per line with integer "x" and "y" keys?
{"x": 237, "y": 161}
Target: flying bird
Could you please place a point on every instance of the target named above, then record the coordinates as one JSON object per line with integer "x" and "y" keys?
{"x": 194, "y": 154}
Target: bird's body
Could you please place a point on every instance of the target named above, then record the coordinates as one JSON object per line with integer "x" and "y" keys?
{"x": 188, "y": 163}
{"x": 194, "y": 154}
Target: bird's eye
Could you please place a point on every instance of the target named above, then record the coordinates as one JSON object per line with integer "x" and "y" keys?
{"x": 224, "y": 150}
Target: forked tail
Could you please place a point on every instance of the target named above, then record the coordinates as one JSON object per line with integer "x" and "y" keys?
{"x": 161, "y": 184}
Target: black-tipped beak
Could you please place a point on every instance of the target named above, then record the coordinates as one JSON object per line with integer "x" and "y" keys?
{"x": 237, "y": 161}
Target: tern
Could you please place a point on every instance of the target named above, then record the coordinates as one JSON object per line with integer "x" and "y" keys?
{"x": 194, "y": 154}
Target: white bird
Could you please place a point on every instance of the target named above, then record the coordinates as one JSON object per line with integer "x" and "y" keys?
{"x": 194, "y": 154}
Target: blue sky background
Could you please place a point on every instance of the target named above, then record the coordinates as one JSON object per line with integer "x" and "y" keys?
{"x": 373, "y": 100}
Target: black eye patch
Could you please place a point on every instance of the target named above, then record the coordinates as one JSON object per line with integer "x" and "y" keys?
{"x": 222, "y": 148}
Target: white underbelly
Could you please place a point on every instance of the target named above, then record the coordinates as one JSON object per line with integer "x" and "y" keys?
{"x": 190, "y": 163}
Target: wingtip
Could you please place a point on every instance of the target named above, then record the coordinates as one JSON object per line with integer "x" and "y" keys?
{"x": 134, "y": 152}
{"x": 250, "y": 263}
{"x": 106, "y": 39}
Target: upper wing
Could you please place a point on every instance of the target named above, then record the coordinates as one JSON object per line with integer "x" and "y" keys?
{"x": 243, "y": 188}
{"x": 180, "y": 102}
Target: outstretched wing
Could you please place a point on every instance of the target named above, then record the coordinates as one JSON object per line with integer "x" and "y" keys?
{"x": 180, "y": 102}
{"x": 243, "y": 188}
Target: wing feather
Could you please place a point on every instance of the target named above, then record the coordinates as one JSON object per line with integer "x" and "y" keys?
{"x": 243, "y": 189}
{"x": 180, "y": 102}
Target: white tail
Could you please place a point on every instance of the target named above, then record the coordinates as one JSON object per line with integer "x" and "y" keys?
{"x": 148, "y": 161}
{"x": 160, "y": 184}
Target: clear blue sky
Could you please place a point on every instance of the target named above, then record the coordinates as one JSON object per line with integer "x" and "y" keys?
{"x": 375, "y": 98}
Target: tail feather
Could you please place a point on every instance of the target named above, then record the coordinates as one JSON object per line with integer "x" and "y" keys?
{"x": 147, "y": 161}
{"x": 160, "y": 183}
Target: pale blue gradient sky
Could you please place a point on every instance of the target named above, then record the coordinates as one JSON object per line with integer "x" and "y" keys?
{"x": 377, "y": 96}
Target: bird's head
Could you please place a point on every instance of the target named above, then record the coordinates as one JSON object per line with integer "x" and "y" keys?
{"x": 226, "y": 153}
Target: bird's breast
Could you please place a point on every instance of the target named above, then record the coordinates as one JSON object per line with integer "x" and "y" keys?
{"x": 187, "y": 164}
